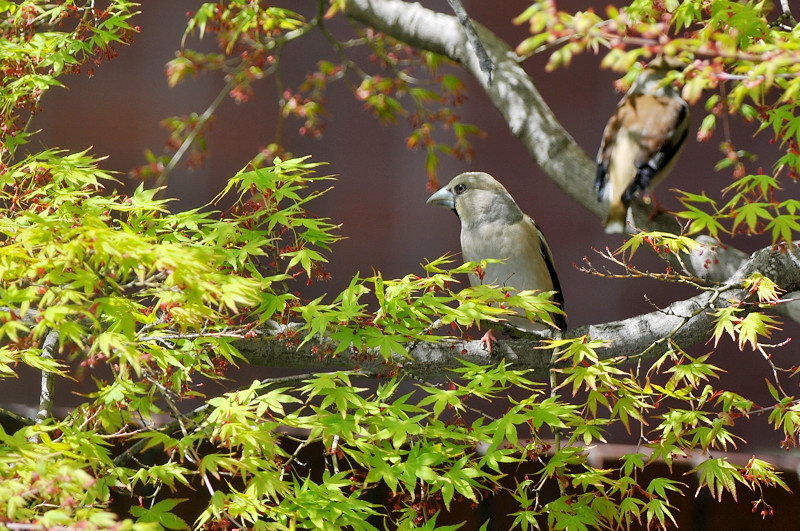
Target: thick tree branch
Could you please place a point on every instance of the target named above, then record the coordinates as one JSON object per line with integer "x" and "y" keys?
{"x": 685, "y": 323}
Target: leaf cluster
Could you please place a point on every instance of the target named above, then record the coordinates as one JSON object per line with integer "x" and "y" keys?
{"x": 737, "y": 57}
{"x": 41, "y": 41}
{"x": 145, "y": 306}
{"x": 396, "y": 82}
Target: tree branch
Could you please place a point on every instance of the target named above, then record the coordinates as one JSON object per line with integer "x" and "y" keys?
{"x": 684, "y": 323}
{"x": 477, "y": 46}
{"x": 48, "y": 378}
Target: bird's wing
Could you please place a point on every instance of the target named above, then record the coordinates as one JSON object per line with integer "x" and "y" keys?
{"x": 661, "y": 124}
{"x": 619, "y": 121}
{"x": 547, "y": 256}
{"x": 658, "y": 125}
{"x": 666, "y": 133}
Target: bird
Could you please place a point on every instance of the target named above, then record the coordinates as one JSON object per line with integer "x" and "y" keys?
{"x": 493, "y": 226}
{"x": 641, "y": 141}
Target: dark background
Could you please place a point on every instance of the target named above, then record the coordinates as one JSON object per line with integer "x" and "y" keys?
{"x": 381, "y": 190}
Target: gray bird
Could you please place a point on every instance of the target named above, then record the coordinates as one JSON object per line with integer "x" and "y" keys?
{"x": 493, "y": 226}
{"x": 641, "y": 141}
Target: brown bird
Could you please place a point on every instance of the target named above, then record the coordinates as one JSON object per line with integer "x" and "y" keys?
{"x": 641, "y": 141}
{"x": 493, "y": 226}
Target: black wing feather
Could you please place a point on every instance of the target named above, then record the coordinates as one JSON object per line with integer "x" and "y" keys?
{"x": 559, "y": 319}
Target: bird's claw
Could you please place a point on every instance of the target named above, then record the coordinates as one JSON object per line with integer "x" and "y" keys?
{"x": 487, "y": 339}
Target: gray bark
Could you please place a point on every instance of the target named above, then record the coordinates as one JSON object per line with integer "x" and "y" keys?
{"x": 686, "y": 323}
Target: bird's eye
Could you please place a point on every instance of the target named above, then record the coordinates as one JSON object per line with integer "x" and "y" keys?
{"x": 460, "y": 188}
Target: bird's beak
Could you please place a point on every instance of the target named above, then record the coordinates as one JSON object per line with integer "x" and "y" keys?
{"x": 443, "y": 197}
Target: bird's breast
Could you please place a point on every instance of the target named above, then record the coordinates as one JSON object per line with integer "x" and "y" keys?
{"x": 518, "y": 245}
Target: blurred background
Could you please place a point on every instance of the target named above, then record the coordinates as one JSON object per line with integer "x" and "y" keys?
{"x": 379, "y": 197}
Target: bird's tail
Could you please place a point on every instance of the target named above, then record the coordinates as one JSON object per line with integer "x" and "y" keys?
{"x": 615, "y": 222}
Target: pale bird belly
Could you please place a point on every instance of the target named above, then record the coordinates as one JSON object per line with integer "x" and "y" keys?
{"x": 622, "y": 169}
{"x": 523, "y": 269}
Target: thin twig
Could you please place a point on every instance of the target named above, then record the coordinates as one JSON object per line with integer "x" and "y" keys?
{"x": 293, "y": 457}
{"x": 174, "y": 336}
{"x": 333, "y": 450}
{"x": 8, "y": 414}
{"x": 486, "y": 64}
{"x": 190, "y": 138}
{"x": 786, "y": 21}
{"x": 631, "y": 271}
{"x": 165, "y": 394}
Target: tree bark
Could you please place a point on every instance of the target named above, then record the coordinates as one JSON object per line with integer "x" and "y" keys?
{"x": 646, "y": 336}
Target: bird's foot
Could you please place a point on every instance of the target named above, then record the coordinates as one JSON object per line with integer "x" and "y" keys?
{"x": 487, "y": 339}
{"x": 655, "y": 208}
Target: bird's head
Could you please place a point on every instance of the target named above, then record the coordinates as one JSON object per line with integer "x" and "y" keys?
{"x": 477, "y": 198}
{"x": 651, "y": 79}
